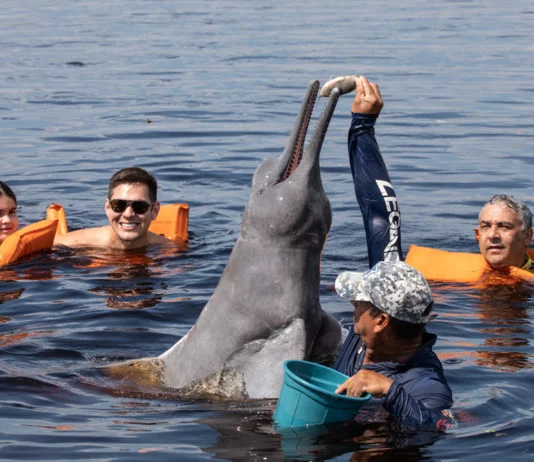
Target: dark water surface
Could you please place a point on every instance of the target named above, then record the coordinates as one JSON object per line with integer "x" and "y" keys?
{"x": 220, "y": 83}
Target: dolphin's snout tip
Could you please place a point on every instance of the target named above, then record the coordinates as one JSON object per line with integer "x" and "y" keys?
{"x": 345, "y": 84}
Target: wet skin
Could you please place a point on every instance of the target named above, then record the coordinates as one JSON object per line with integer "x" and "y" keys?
{"x": 129, "y": 228}
{"x": 369, "y": 329}
{"x": 8, "y": 217}
{"x": 501, "y": 238}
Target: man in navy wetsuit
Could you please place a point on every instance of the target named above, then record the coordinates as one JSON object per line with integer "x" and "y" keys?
{"x": 388, "y": 353}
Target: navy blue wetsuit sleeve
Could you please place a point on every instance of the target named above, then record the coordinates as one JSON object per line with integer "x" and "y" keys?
{"x": 378, "y": 205}
{"x": 374, "y": 191}
{"x": 420, "y": 408}
{"x": 345, "y": 361}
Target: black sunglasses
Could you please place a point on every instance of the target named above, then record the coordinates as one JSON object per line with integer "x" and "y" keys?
{"x": 120, "y": 205}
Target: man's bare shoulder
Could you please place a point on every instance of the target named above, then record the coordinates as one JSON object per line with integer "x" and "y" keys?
{"x": 154, "y": 238}
{"x": 87, "y": 237}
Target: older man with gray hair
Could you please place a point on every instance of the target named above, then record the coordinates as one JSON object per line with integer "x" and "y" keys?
{"x": 504, "y": 233}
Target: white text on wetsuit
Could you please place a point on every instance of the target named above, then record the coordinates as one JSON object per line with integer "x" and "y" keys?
{"x": 392, "y": 206}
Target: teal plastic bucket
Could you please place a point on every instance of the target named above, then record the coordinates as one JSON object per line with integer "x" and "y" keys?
{"x": 308, "y": 396}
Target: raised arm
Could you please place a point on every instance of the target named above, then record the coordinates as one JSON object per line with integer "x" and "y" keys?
{"x": 374, "y": 191}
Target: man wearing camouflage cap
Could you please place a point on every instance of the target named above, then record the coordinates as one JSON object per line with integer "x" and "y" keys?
{"x": 391, "y": 356}
{"x": 388, "y": 353}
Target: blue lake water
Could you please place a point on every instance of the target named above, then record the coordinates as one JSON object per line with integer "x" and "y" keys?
{"x": 199, "y": 93}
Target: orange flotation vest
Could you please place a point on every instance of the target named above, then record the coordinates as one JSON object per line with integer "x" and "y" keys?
{"x": 30, "y": 239}
{"x": 56, "y": 212}
{"x": 446, "y": 266}
{"x": 172, "y": 221}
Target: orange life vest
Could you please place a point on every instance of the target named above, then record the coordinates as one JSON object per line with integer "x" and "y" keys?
{"x": 446, "y": 266}
{"x": 30, "y": 239}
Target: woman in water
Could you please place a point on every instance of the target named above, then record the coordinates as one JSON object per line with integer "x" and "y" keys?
{"x": 8, "y": 211}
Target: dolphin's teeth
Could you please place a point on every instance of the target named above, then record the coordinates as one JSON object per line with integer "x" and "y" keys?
{"x": 298, "y": 149}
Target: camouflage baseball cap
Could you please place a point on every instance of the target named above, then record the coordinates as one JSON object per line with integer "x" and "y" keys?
{"x": 394, "y": 287}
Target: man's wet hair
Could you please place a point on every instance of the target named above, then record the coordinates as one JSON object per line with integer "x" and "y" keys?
{"x": 135, "y": 175}
{"x": 525, "y": 215}
{"x": 5, "y": 190}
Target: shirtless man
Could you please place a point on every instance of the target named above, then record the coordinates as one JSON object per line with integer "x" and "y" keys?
{"x": 131, "y": 206}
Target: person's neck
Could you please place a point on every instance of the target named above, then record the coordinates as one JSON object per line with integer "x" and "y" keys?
{"x": 116, "y": 243}
{"x": 505, "y": 268}
{"x": 393, "y": 350}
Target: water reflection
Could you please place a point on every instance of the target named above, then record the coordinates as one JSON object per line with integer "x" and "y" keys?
{"x": 18, "y": 336}
{"x": 248, "y": 433}
{"x": 127, "y": 280}
{"x": 504, "y": 313}
{"x": 493, "y": 324}
{"x": 37, "y": 267}
{"x": 10, "y": 295}
{"x": 131, "y": 286}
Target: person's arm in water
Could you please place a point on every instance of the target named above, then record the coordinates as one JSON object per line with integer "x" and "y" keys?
{"x": 417, "y": 401}
{"x": 374, "y": 192}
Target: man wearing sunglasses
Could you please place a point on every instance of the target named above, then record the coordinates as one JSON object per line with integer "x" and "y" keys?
{"x": 131, "y": 206}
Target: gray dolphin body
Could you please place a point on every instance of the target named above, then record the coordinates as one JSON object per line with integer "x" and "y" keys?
{"x": 266, "y": 307}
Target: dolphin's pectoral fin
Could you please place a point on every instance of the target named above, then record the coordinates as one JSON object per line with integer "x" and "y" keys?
{"x": 253, "y": 370}
{"x": 147, "y": 372}
{"x": 261, "y": 360}
{"x": 327, "y": 342}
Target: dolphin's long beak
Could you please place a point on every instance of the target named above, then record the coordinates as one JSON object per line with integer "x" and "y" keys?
{"x": 319, "y": 135}
{"x": 294, "y": 151}
{"x": 295, "y": 146}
